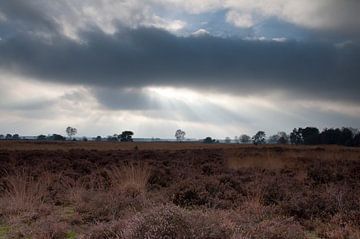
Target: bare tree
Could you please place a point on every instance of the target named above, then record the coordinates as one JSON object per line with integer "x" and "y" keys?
{"x": 70, "y": 131}
{"x": 179, "y": 135}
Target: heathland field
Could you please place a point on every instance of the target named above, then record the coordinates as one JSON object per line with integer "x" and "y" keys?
{"x": 178, "y": 190}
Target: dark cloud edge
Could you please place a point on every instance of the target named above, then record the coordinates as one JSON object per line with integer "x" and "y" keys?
{"x": 143, "y": 57}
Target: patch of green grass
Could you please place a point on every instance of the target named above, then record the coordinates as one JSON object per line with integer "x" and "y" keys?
{"x": 71, "y": 235}
{"x": 4, "y": 231}
{"x": 312, "y": 235}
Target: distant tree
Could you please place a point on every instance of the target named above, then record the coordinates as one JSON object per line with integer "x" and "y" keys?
{"x": 126, "y": 136}
{"x": 283, "y": 138}
{"x": 16, "y": 137}
{"x": 330, "y": 136}
{"x": 310, "y": 135}
{"x": 227, "y": 140}
{"x": 296, "y": 137}
{"x": 8, "y": 137}
{"x": 98, "y": 138}
{"x": 70, "y": 131}
{"x": 180, "y": 135}
{"x": 236, "y": 139}
{"x": 245, "y": 139}
{"x": 85, "y": 139}
{"x": 41, "y": 137}
{"x": 346, "y": 137}
{"x": 2, "y": 137}
{"x": 209, "y": 140}
{"x": 259, "y": 138}
{"x": 113, "y": 138}
{"x": 354, "y": 131}
{"x": 356, "y": 140}
{"x": 273, "y": 139}
{"x": 57, "y": 137}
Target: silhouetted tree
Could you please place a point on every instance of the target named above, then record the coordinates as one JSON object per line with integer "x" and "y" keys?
{"x": 273, "y": 139}
{"x": 85, "y": 139}
{"x": 41, "y": 137}
{"x": 98, "y": 138}
{"x": 283, "y": 138}
{"x": 227, "y": 140}
{"x": 310, "y": 135}
{"x": 70, "y": 131}
{"x": 356, "y": 140}
{"x": 245, "y": 139}
{"x": 331, "y": 136}
{"x": 259, "y": 138}
{"x": 296, "y": 137}
{"x": 8, "y": 137}
{"x": 180, "y": 135}
{"x": 2, "y": 137}
{"x": 209, "y": 140}
{"x": 346, "y": 137}
{"x": 126, "y": 136}
{"x": 57, "y": 137}
{"x": 15, "y": 137}
{"x": 113, "y": 138}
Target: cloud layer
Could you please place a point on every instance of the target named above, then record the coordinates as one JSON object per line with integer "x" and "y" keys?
{"x": 136, "y": 58}
{"x": 122, "y": 57}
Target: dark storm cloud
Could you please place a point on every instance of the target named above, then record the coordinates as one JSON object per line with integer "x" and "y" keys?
{"x": 128, "y": 99}
{"x": 26, "y": 15}
{"x": 147, "y": 57}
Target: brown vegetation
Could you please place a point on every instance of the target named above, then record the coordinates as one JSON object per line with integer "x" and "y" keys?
{"x": 178, "y": 191}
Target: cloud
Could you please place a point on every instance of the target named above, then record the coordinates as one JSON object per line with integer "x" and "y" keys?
{"x": 70, "y": 17}
{"x": 240, "y": 20}
{"x": 136, "y": 58}
{"x": 326, "y": 15}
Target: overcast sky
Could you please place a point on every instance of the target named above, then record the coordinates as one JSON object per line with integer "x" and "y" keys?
{"x": 210, "y": 67}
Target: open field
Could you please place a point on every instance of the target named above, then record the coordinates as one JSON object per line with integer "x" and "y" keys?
{"x": 178, "y": 190}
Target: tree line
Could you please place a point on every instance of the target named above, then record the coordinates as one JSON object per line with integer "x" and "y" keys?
{"x": 299, "y": 136}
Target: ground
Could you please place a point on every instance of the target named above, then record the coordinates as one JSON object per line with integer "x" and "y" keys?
{"x": 178, "y": 190}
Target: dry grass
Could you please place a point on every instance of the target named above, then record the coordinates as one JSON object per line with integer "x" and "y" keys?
{"x": 179, "y": 191}
{"x": 130, "y": 177}
{"x": 24, "y": 192}
{"x": 271, "y": 161}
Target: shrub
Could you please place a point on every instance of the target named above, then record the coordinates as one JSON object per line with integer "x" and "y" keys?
{"x": 174, "y": 222}
{"x": 190, "y": 193}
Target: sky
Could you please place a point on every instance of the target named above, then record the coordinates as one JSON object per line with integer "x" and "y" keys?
{"x": 209, "y": 67}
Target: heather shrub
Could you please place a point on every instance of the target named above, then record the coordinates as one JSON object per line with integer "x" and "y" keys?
{"x": 321, "y": 173}
{"x": 254, "y": 220}
{"x": 43, "y": 228}
{"x": 97, "y": 206}
{"x": 160, "y": 178}
{"x": 106, "y": 230}
{"x": 162, "y": 222}
{"x": 209, "y": 192}
{"x": 311, "y": 204}
{"x": 174, "y": 222}
{"x": 190, "y": 193}
{"x": 278, "y": 227}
